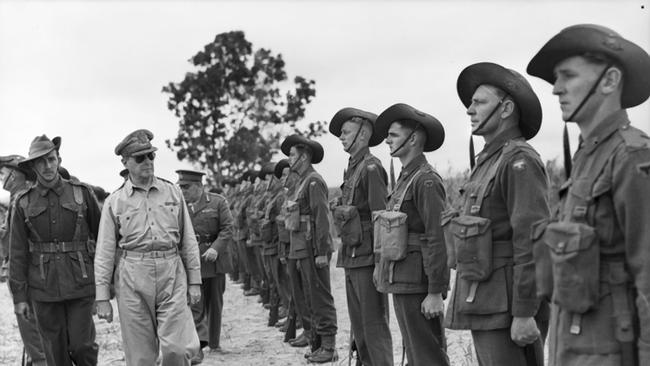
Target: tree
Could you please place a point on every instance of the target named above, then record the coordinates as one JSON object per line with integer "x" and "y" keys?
{"x": 236, "y": 107}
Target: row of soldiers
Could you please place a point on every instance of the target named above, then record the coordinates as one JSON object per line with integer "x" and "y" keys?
{"x": 579, "y": 274}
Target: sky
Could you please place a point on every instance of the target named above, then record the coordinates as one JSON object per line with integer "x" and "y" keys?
{"x": 92, "y": 71}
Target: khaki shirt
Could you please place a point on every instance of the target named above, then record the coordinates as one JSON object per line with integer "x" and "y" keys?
{"x": 142, "y": 220}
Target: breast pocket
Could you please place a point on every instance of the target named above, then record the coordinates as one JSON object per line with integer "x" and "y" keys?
{"x": 168, "y": 216}
{"x": 131, "y": 222}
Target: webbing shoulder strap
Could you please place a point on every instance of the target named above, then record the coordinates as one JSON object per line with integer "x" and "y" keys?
{"x": 301, "y": 188}
{"x": 356, "y": 175}
{"x": 421, "y": 169}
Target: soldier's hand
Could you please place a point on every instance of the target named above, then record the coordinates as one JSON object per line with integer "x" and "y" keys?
{"x": 104, "y": 310}
{"x": 23, "y": 310}
{"x": 524, "y": 331}
{"x": 283, "y": 260}
{"x": 4, "y": 273}
{"x": 432, "y": 306}
{"x": 322, "y": 261}
{"x": 194, "y": 292}
{"x": 210, "y": 255}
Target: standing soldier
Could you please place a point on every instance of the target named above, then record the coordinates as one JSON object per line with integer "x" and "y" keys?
{"x": 212, "y": 222}
{"x": 600, "y": 242}
{"x": 53, "y": 227}
{"x": 15, "y": 181}
{"x": 363, "y": 191}
{"x": 311, "y": 243}
{"x": 494, "y": 293}
{"x": 241, "y": 237}
{"x": 145, "y": 226}
{"x": 416, "y": 272}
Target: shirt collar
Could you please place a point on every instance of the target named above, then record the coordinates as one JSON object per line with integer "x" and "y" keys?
{"x": 358, "y": 157}
{"x": 604, "y": 129}
{"x": 56, "y": 188}
{"x": 498, "y": 143}
{"x": 412, "y": 166}
{"x": 130, "y": 187}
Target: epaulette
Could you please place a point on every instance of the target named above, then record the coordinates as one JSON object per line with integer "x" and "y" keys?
{"x": 165, "y": 180}
{"x": 633, "y": 137}
{"x": 215, "y": 196}
{"x": 19, "y": 197}
{"x": 77, "y": 192}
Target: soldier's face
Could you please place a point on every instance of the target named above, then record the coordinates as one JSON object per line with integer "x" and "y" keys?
{"x": 47, "y": 167}
{"x": 574, "y": 78}
{"x": 140, "y": 170}
{"x": 191, "y": 191}
{"x": 294, "y": 158}
{"x": 484, "y": 100}
{"x": 397, "y": 134}
{"x": 348, "y": 132}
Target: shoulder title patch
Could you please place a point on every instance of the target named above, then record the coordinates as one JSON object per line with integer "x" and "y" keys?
{"x": 519, "y": 165}
{"x": 644, "y": 169}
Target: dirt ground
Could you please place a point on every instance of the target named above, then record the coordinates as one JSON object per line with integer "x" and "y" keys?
{"x": 246, "y": 339}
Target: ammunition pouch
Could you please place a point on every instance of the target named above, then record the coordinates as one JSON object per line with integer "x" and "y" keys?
{"x": 300, "y": 239}
{"x": 542, "y": 259}
{"x": 348, "y": 223}
{"x": 473, "y": 245}
{"x": 575, "y": 258}
{"x": 266, "y": 230}
{"x": 292, "y": 218}
{"x": 390, "y": 234}
{"x": 283, "y": 233}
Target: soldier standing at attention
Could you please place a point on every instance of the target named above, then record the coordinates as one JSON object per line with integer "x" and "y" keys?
{"x": 494, "y": 294}
{"x": 600, "y": 241}
{"x": 363, "y": 191}
{"x": 418, "y": 278}
{"x": 145, "y": 226}
{"x": 212, "y": 222}
{"x": 311, "y": 243}
{"x": 53, "y": 225}
{"x": 15, "y": 181}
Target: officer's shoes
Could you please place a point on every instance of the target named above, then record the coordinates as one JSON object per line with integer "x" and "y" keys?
{"x": 323, "y": 355}
{"x": 300, "y": 341}
{"x": 198, "y": 358}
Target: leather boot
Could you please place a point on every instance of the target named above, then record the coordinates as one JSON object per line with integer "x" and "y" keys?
{"x": 323, "y": 355}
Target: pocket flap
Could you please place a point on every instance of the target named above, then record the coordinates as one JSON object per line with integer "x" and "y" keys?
{"x": 34, "y": 211}
{"x": 466, "y": 226}
{"x": 538, "y": 229}
{"x": 567, "y": 237}
{"x": 448, "y": 215}
{"x": 70, "y": 206}
{"x": 390, "y": 219}
{"x": 344, "y": 213}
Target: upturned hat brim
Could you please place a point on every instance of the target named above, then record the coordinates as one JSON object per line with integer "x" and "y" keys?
{"x": 279, "y": 167}
{"x": 400, "y": 112}
{"x": 293, "y": 140}
{"x": 12, "y": 162}
{"x": 511, "y": 83}
{"x": 580, "y": 39}
{"x": 346, "y": 114}
{"x": 40, "y": 147}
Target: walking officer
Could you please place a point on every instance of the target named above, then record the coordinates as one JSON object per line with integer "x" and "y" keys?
{"x": 599, "y": 240}
{"x": 146, "y": 227}
{"x": 15, "y": 180}
{"x": 363, "y": 191}
{"x": 212, "y": 222}
{"x": 53, "y": 227}
{"x": 413, "y": 267}
{"x": 494, "y": 294}
{"x": 311, "y": 243}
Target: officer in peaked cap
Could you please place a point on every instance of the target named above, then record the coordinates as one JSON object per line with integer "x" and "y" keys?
{"x": 364, "y": 190}
{"x": 311, "y": 243}
{"x": 419, "y": 281}
{"x": 506, "y": 193}
{"x": 212, "y": 221}
{"x": 15, "y": 180}
{"x": 147, "y": 227}
{"x": 54, "y": 224}
{"x": 600, "y": 314}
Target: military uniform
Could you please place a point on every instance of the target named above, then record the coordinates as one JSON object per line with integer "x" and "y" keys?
{"x": 149, "y": 232}
{"x": 51, "y": 252}
{"x": 420, "y": 194}
{"x": 593, "y": 257}
{"x": 28, "y": 328}
{"x": 363, "y": 190}
{"x": 212, "y": 223}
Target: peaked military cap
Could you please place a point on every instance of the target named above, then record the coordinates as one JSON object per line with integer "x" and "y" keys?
{"x": 399, "y": 112}
{"x": 512, "y": 83}
{"x": 40, "y": 146}
{"x": 584, "y": 38}
{"x": 279, "y": 167}
{"x": 295, "y": 139}
{"x": 136, "y": 143}
{"x": 346, "y": 114}
{"x": 189, "y": 176}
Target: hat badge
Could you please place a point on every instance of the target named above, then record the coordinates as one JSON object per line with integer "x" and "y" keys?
{"x": 612, "y": 43}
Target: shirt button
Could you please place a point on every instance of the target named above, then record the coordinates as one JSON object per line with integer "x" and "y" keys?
{"x": 54, "y": 221}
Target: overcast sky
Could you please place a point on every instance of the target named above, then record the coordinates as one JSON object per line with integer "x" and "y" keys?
{"x": 92, "y": 71}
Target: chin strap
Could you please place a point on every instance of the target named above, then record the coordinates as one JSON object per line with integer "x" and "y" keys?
{"x": 354, "y": 140}
{"x": 392, "y": 168}
{"x": 472, "y": 156}
{"x": 565, "y": 134}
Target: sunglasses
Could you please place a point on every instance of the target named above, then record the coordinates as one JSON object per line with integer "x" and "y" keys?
{"x": 140, "y": 158}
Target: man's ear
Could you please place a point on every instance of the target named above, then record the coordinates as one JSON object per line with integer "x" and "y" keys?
{"x": 612, "y": 81}
{"x": 508, "y": 108}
